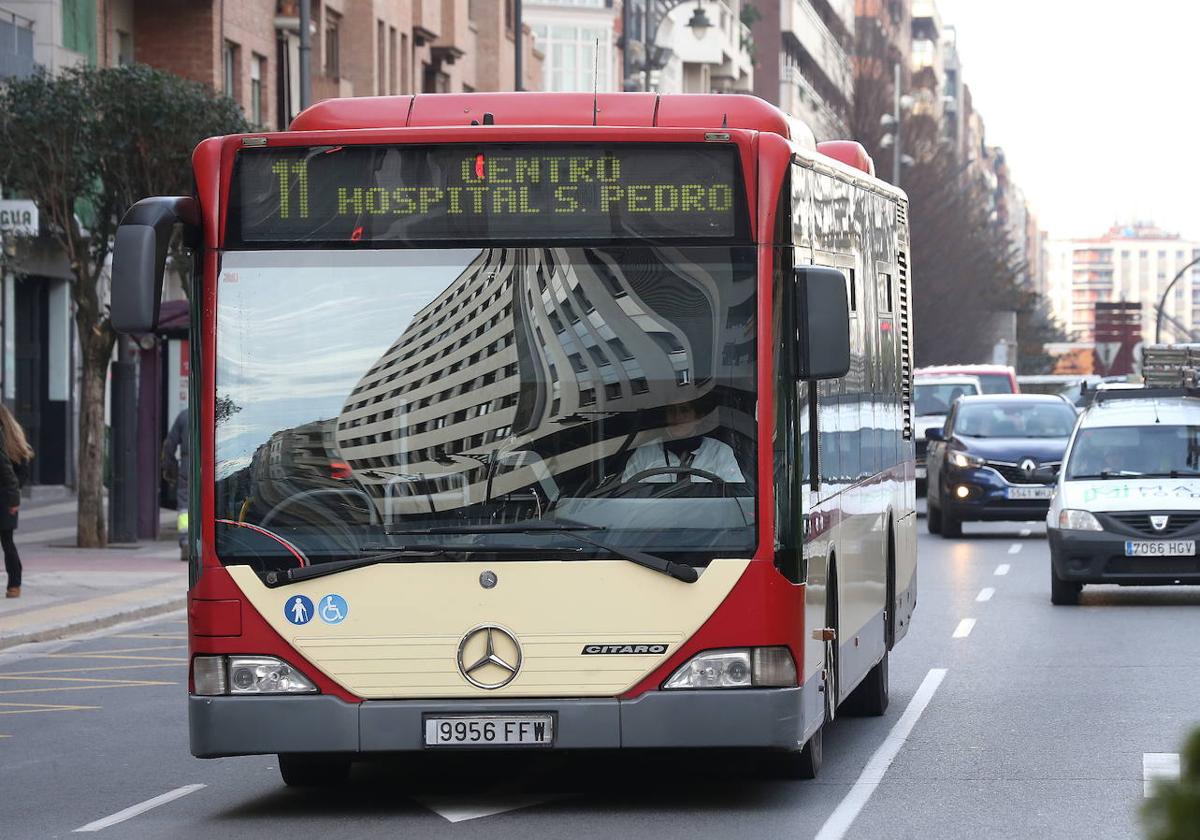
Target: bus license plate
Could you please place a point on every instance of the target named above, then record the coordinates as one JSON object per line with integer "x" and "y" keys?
{"x": 489, "y": 731}
{"x": 1030, "y": 492}
{"x": 1160, "y": 548}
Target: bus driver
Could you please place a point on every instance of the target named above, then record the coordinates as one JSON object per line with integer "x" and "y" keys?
{"x": 682, "y": 444}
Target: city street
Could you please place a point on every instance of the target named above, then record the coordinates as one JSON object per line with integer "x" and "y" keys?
{"x": 1028, "y": 721}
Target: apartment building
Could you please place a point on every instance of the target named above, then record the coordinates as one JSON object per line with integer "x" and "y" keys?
{"x": 1131, "y": 263}
{"x": 803, "y": 63}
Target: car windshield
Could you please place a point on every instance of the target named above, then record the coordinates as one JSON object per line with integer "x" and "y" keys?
{"x": 937, "y": 397}
{"x": 1150, "y": 451}
{"x": 366, "y": 396}
{"x": 1015, "y": 419}
{"x": 995, "y": 383}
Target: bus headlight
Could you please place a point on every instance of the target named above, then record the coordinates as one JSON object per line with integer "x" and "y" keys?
{"x": 736, "y": 668}
{"x": 1078, "y": 520}
{"x": 238, "y": 675}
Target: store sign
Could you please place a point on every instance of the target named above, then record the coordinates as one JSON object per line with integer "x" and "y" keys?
{"x": 18, "y": 217}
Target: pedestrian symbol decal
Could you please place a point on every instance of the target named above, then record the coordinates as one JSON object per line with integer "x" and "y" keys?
{"x": 334, "y": 609}
{"x": 298, "y": 610}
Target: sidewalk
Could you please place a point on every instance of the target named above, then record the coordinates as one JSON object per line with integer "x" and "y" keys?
{"x": 68, "y": 590}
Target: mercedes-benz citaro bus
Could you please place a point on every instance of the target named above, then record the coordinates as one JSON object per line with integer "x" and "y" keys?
{"x": 538, "y": 421}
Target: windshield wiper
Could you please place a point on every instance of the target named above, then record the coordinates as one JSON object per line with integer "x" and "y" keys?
{"x": 679, "y": 571}
{"x": 1171, "y": 474}
{"x": 1107, "y": 474}
{"x": 401, "y": 554}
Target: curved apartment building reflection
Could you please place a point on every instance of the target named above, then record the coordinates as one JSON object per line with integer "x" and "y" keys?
{"x": 536, "y": 367}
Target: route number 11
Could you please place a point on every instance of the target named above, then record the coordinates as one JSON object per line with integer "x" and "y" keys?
{"x": 285, "y": 169}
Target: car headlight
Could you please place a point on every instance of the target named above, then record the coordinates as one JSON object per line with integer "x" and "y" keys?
{"x": 236, "y": 675}
{"x": 963, "y": 460}
{"x": 1078, "y": 520}
{"x": 736, "y": 668}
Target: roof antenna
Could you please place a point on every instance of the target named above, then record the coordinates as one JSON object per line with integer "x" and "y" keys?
{"x": 725, "y": 120}
{"x": 489, "y": 118}
{"x": 595, "y": 81}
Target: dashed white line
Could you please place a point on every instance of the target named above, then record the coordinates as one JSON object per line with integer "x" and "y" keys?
{"x": 964, "y": 628}
{"x": 140, "y": 808}
{"x": 1156, "y": 767}
{"x": 1015, "y": 548}
{"x": 852, "y": 803}
{"x": 1002, "y": 569}
{"x": 985, "y": 594}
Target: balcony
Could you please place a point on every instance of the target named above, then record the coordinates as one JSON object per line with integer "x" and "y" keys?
{"x": 800, "y": 23}
{"x": 725, "y": 47}
{"x": 427, "y": 21}
{"x": 16, "y": 46}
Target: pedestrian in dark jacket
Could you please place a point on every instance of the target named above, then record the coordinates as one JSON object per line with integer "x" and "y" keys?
{"x": 181, "y": 469}
{"x": 15, "y": 455}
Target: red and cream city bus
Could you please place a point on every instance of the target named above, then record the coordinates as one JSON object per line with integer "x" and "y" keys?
{"x": 539, "y": 421}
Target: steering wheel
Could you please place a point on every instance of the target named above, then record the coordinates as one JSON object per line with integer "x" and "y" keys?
{"x": 671, "y": 489}
{"x": 325, "y": 513}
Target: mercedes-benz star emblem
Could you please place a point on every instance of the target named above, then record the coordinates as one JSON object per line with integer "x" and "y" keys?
{"x": 1159, "y": 523}
{"x": 487, "y": 579}
{"x": 1028, "y": 467}
{"x": 489, "y": 656}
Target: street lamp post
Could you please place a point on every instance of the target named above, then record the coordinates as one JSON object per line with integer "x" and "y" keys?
{"x": 1162, "y": 302}
{"x": 653, "y": 13}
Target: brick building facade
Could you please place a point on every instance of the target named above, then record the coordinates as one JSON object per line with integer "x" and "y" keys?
{"x": 250, "y": 49}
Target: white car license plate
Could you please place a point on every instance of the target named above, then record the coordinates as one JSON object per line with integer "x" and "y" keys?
{"x": 1030, "y": 492}
{"x": 489, "y": 731}
{"x": 1160, "y": 548}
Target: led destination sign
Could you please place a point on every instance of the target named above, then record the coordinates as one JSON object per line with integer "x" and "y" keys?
{"x": 414, "y": 193}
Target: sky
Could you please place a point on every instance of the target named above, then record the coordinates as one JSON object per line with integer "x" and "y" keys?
{"x": 1095, "y": 103}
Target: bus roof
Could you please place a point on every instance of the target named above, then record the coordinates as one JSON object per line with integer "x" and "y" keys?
{"x": 651, "y": 110}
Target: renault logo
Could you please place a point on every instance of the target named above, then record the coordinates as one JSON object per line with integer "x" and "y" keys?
{"x": 489, "y": 656}
{"x": 1028, "y": 467}
{"x": 1159, "y": 523}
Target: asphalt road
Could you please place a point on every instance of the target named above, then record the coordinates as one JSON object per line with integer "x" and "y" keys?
{"x": 1033, "y": 721}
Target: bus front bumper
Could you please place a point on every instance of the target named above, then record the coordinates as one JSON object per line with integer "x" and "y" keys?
{"x": 759, "y": 718}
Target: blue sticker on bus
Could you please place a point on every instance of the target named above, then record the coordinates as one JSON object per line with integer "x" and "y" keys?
{"x": 334, "y": 609}
{"x": 298, "y": 610}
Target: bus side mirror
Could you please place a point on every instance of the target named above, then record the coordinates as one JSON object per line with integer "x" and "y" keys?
{"x": 140, "y": 256}
{"x": 935, "y": 434}
{"x": 823, "y": 323}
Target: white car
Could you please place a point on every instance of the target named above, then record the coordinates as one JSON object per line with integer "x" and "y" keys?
{"x": 933, "y": 395}
{"x": 1126, "y": 507}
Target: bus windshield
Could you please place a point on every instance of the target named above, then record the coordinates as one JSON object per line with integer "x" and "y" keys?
{"x": 367, "y": 397}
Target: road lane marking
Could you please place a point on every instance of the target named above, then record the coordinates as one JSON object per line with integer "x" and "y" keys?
{"x": 459, "y": 809}
{"x": 1158, "y": 767}
{"x": 964, "y": 628}
{"x": 1002, "y": 569}
{"x": 141, "y": 808}
{"x": 985, "y": 594}
{"x": 852, "y": 803}
{"x": 1015, "y": 548}
{"x": 30, "y": 708}
{"x": 1025, "y": 532}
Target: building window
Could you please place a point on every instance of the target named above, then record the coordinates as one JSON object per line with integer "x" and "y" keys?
{"x": 393, "y": 60}
{"x": 229, "y": 66}
{"x": 380, "y": 59}
{"x": 405, "y": 63}
{"x": 333, "y": 49}
{"x": 79, "y": 27}
{"x": 258, "y": 70}
{"x": 571, "y": 60}
{"x": 124, "y": 49}
{"x": 510, "y": 17}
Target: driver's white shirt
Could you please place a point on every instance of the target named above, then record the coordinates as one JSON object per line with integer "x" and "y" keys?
{"x": 712, "y": 456}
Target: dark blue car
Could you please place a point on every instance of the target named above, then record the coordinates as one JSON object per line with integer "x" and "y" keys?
{"x": 996, "y": 458}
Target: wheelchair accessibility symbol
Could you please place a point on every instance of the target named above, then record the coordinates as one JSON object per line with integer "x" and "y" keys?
{"x": 333, "y": 609}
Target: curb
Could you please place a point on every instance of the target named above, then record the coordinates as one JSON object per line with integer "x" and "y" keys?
{"x": 94, "y": 622}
